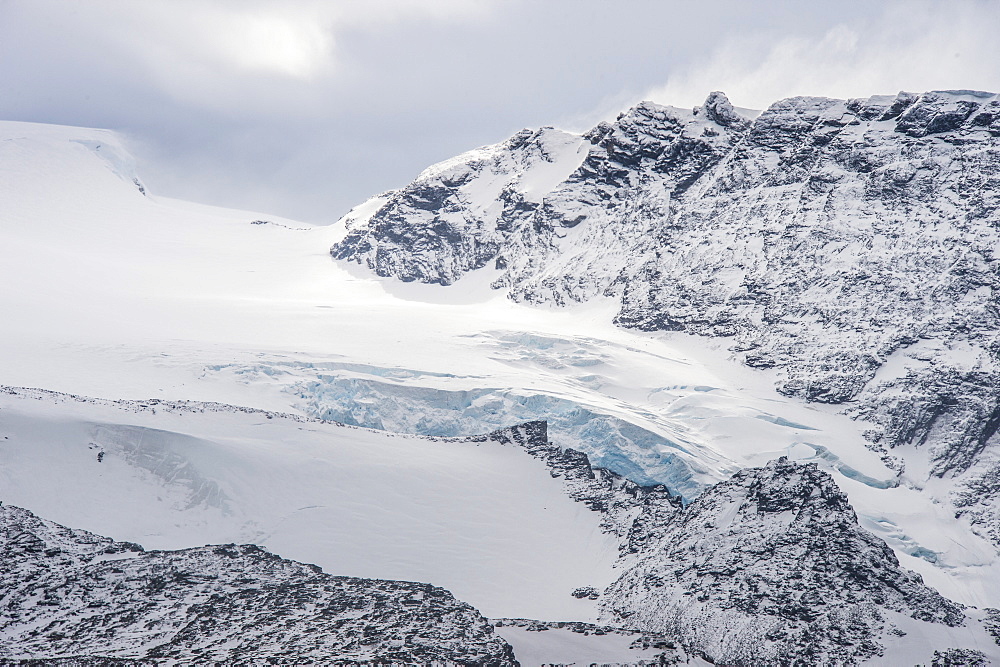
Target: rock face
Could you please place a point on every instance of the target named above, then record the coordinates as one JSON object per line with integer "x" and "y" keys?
{"x": 70, "y": 594}
{"x": 770, "y": 567}
{"x": 456, "y": 215}
{"x": 618, "y": 499}
{"x": 851, "y": 246}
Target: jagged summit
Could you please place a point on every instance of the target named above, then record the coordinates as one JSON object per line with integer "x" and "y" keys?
{"x": 720, "y": 110}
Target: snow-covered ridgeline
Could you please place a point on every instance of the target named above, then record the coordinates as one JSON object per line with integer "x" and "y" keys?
{"x": 848, "y": 245}
{"x": 462, "y": 207}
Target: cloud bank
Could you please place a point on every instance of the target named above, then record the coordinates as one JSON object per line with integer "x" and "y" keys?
{"x": 913, "y": 45}
{"x": 305, "y": 107}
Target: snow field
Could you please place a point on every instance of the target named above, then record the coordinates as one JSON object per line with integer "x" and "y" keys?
{"x": 116, "y": 294}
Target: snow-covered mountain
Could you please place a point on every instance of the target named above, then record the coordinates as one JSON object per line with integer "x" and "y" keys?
{"x": 847, "y": 246}
{"x": 225, "y": 344}
{"x": 768, "y": 566}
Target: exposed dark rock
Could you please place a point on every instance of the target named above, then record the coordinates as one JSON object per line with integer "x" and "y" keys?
{"x": 770, "y": 567}
{"x": 72, "y": 597}
{"x": 959, "y": 657}
{"x": 993, "y": 624}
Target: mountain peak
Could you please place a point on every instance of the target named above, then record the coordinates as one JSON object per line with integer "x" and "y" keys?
{"x": 771, "y": 567}
{"x": 720, "y": 110}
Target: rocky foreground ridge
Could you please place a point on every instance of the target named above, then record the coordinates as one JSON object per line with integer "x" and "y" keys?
{"x": 771, "y": 567}
{"x": 849, "y": 246}
{"x": 69, "y": 594}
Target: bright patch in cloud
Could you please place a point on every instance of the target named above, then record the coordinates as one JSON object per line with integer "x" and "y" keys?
{"x": 293, "y": 46}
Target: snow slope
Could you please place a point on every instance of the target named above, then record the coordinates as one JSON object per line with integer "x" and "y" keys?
{"x": 486, "y": 521}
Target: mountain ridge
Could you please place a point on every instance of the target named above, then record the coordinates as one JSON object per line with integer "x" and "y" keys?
{"x": 848, "y": 246}
{"x": 70, "y": 594}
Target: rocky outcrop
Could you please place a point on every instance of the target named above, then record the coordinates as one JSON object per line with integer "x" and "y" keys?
{"x": 848, "y": 245}
{"x": 70, "y": 595}
{"x": 618, "y": 499}
{"x": 770, "y": 567}
{"x": 454, "y": 217}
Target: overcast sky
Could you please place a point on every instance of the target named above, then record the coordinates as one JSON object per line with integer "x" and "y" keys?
{"x": 303, "y": 109}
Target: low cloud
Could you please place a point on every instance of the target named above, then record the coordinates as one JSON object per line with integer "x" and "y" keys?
{"x": 216, "y": 54}
{"x": 307, "y": 107}
{"x": 912, "y": 45}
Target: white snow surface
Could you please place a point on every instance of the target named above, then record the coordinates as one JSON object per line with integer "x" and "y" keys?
{"x": 484, "y": 520}
{"x": 561, "y": 646}
{"x": 112, "y": 293}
